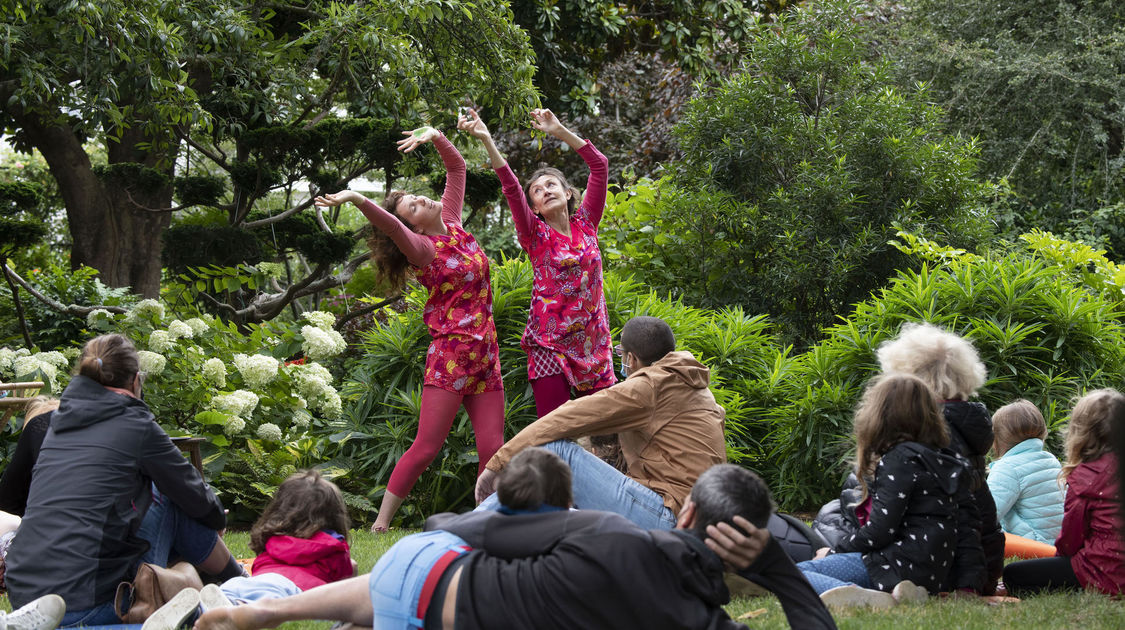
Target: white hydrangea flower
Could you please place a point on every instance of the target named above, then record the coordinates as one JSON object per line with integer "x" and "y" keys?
{"x": 301, "y": 418}
{"x": 151, "y": 362}
{"x": 313, "y": 380}
{"x": 321, "y": 344}
{"x": 145, "y": 308}
{"x": 198, "y": 326}
{"x": 96, "y": 315}
{"x": 216, "y": 372}
{"x": 300, "y": 403}
{"x": 257, "y": 370}
{"x": 269, "y": 431}
{"x": 7, "y": 356}
{"x": 54, "y": 357}
{"x": 331, "y": 405}
{"x": 234, "y": 425}
{"x": 30, "y": 365}
{"x": 272, "y": 269}
{"x": 320, "y": 319}
{"x": 159, "y": 341}
{"x": 180, "y": 330}
{"x": 237, "y": 403}
{"x": 71, "y": 353}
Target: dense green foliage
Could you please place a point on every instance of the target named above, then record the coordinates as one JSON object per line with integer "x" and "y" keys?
{"x": 795, "y": 173}
{"x": 1039, "y": 83}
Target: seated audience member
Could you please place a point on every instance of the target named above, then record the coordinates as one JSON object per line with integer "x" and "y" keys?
{"x": 1024, "y": 481}
{"x": 1091, "y": 553}
{"x": 110, "y": 490}
{"x": 668, "y": 423}
{"x": 950, "y": 365}
{"x": 915, "y": 538}
{"x": 17, "y": 476}
{"x": 562, "y": 569}
{"x": 301, "y": 540}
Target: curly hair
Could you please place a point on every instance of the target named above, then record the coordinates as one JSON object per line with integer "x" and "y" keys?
{"x": 391, "y": 266}
{"x": 575, "y": 198}
{"x": 948, "y": 363}
{"x": 305, "y": 504}
{"x": 895, "y": 408}
{"x": 1092, "y": 422}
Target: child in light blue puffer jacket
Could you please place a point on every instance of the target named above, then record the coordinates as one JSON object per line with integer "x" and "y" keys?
{"x": 1024, "y": 480}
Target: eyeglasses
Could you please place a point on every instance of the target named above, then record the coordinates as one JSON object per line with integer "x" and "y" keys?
{"x": 618, "y": 350}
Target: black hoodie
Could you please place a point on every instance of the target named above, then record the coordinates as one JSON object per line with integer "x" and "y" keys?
{"x": 89, "y": 492}
{"x": 970, "y": 435}
{"x": 921, "y": 525}
{"x": 588, "y": 569}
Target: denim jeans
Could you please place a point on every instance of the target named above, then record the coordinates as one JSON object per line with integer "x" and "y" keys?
{"x": 396, "y": 580}
{"x": 169, "y": 533}
{"x": 836, "y": 569}
{"x": 599, "y": 486}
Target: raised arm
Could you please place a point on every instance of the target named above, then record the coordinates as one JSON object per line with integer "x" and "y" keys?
{"x": 522, "y": 216}
{"x": 453, "y": 197}
{"x": 593, "y": 201}
{"x": 418, "y": 249}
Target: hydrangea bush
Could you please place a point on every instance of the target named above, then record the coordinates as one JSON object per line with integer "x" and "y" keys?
{"x": 253, "y": 394}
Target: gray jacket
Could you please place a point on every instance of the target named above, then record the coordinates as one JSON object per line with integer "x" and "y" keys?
{"x": 89, "y": 492}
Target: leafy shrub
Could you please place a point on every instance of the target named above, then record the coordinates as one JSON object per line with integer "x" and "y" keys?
{"x": 50, "y": 328}
{"x": 794, "y": 172}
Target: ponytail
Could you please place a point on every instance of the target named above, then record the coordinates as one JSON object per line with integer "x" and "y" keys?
{"x": 110, "y": 360}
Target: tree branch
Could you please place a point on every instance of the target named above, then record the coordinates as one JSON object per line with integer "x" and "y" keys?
{"x": 267, "y": 306}
{"x": 278, "y": 217}
{"x": 211, "y": 155}
{"x": 370, "y": 308}
{"x": 70, "y": 309}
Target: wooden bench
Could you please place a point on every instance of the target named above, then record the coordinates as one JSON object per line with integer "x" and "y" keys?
{"x": 14, "y": 397}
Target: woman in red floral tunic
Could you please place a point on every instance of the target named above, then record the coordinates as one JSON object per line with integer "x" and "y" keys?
{"x": 463, "y": 361}
{"x": 567, "y": 338}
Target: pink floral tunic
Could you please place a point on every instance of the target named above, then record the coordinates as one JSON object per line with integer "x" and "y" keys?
{"x": 567, "y": 326}
{"x": 464, "y": 357}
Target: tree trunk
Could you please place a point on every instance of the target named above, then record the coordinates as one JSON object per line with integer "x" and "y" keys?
{"x": 110, "y": 233}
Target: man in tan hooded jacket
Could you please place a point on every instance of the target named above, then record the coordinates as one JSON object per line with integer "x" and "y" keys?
{"x": 667, "y": 420}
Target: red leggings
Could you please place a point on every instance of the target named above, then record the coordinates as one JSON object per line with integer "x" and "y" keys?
{"x": 552, "y": 391}
{"x": 439, "y": 408}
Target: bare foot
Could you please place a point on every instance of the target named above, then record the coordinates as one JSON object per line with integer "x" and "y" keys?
{"x": 247, "y": 617}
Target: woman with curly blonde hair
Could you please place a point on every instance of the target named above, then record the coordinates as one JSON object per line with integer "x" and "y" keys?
{"x": 950, "y": 365}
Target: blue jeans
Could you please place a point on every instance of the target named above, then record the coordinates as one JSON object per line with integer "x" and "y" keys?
{"x": 243, "y": 590}
{"x": 168, "y": 531}
{"x": 599, "y": 486}
{"x": 836, "y": 569}
{"x": 396, "y": 580}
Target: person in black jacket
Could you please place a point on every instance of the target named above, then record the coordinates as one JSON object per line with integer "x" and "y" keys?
{"x": 16, "y": 481}
{"x": 564, "y": 569}
{"x": 917, "y": 536}
{"x": 109, "y": 491}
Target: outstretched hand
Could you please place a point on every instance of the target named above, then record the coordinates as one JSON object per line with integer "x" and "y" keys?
{"x": 736, "y": 549}
{"x": 546, "y": 121}
{"x": 471, "y": 124}
{"x": 486, "y": 485}
{"x": 416, "y": 138}
{"x": 336, "y": 199}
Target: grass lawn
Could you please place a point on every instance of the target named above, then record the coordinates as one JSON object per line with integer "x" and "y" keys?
{"x": 1077, "y": 610}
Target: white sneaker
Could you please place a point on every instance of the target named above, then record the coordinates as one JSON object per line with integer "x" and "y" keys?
{"x": 44, "y": 613}
{"x": 907, "y": 592}
{"x": 853, "y": 596}
{"x": 175, "y": 613}
{"x": 212, "y": 597}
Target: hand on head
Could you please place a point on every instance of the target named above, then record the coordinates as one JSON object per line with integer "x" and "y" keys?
{"x": 471, "y": 124}
{"x": 737, "y": 550}
{"x": 415, "y": 138}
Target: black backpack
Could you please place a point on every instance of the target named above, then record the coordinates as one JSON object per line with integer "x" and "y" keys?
{"x": 796, "y": 538}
